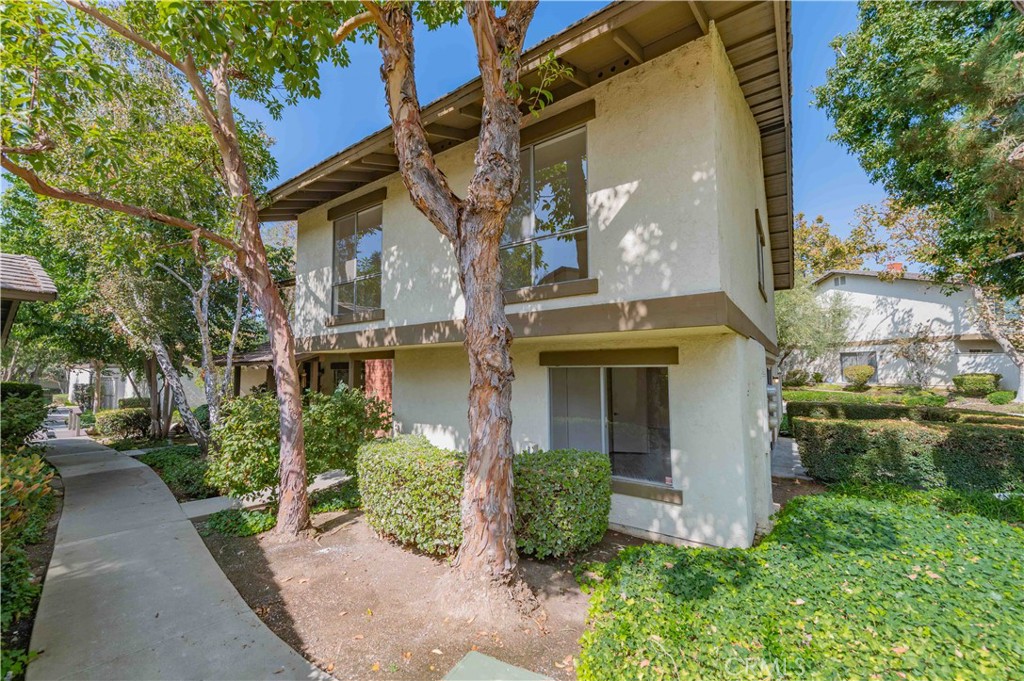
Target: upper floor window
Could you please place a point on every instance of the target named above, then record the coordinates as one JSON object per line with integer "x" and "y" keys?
{"x": 839, "y": 281}
{"x": 759, "y": 241}
{"x": 357, "y": 261}
{"x": 545, "y": 238}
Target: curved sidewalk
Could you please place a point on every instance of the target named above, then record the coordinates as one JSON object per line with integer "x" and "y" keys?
{"x": 133, "y": 593}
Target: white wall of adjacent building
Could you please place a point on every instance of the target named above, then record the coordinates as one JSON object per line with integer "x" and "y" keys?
{"x": 888, "y": 310}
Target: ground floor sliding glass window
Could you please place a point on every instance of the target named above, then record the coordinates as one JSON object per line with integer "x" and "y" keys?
{"x": 622, "y": 411}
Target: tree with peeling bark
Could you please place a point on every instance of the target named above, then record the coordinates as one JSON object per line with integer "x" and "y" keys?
{"x": 473, "y": 225}
{"x": 265, "y": 51}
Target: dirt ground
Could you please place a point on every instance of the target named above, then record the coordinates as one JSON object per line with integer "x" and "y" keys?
{"x": 784, "y": 489}
{"x": 362, "y": 608}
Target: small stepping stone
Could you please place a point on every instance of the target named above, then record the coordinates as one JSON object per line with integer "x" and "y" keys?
{"x": 476, "y": 666}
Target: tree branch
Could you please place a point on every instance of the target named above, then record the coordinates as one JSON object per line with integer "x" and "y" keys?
{"x": 428, "y": 187}
{"x": 40, "y": 187}
{"x": 350, "y": 25}
{"x": 117, "y": 27}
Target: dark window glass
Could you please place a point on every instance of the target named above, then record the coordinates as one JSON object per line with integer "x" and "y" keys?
{"x": 638, "y": 423}
{"x": 358, "y": 246}
{"x": 549, "y": 214}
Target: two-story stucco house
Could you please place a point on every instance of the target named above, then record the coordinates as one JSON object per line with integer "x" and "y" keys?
{"x": 884, "y": 311}
{"x": 653, "y": 225}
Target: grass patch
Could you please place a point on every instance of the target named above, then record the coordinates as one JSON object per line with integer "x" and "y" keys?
{"x": 844, "y": 587}
{"x": 183, "y": 470}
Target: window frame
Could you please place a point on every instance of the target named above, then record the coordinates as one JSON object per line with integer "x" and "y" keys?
{"x": 760, "y": 249}
{"x": 369, "y": 312}
{"x": 533, "y": 238}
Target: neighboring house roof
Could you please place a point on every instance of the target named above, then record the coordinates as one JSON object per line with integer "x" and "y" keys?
{"x": 871, "y": 273}
{"x": 23, "y": 278}
{"x": 261, "y": 356}
{"x": 758, "y": 42}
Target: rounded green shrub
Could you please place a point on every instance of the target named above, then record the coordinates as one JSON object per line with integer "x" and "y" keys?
{"x": 412, "y": 491}
{"x": 976, "y": 385}
{"x": 818, "y": 377}
{"x": 563, "y": 498}
{"x": 1001, "y": 397}
{"x": 859, "y": 375}
{"x": 133, "y": 403}
{"x": 202, "y": 414}
{"x": 245, "y": 457}
{"x": 123, "y": 423}
{"x": 21, "y": 418}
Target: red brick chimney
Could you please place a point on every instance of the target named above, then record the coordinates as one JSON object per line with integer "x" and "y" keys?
{"x": 894, "y": 268}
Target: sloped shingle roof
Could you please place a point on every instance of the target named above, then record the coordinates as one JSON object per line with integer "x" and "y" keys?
{"x": 23, "y": 278}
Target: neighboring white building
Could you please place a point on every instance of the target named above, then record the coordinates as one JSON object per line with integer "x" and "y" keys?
{"x": 116, "y": 385}
{"x": 884, "y": 311}
{"x": 654, "y": 226}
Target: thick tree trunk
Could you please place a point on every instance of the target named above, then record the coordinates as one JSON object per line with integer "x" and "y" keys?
{"x": 488, "y": 508}
{"x": 155, "y": 422}
{"x": 178, "y": 391}
{"x": 97, "y": 386}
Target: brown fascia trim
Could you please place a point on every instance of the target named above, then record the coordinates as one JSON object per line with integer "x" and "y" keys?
{"x": 610, "y": 358}
{"x": 562, "y": 289}
{"x": 676, "y": 312}
{"x": 355, "y": 318}
{"x": 357, "y": 204}
{"x": 632, "y": 488}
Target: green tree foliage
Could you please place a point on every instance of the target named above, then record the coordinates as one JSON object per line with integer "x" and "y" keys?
{"x": 928, "y": 96}
{"x": 809, "y": 323}
{"x": 817, "y": 250}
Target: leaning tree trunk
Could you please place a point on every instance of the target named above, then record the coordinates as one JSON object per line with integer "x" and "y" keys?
{"x": 155, "y": 422}
{"x": 178, "y": 391}
{"x": 488, "y": 507}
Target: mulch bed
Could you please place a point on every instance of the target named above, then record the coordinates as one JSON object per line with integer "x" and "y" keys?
{"x": 360, "y": 607}
{"x": 786, "y": 489}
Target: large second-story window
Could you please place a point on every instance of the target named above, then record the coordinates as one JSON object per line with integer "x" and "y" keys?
{"x": 357, "y": 261}
{"x": 545, "y": 238}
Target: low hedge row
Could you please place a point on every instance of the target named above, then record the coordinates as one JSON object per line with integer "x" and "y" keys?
{"x": 133, "y": 403}
{"x": 976, "y": 385}
{"x": 922, "y": 455}
{"x": 914, "y": 398}
{"x": 855, "y": 412}
{"x": 411, "y": 492}
{"x": 123, "y": 423}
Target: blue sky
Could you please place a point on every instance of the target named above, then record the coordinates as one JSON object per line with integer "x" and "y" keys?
{"x": 827, "y": 180}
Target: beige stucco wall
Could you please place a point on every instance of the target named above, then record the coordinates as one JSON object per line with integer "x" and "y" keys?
{"x": 674, "y": 167}
{"x": 718, "y": 411}
{"x": 739, "y": 191}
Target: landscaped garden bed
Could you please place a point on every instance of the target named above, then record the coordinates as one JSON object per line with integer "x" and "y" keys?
{"x": 183, "y": 469}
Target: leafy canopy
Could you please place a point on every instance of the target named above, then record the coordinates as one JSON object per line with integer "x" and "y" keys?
{"x": 928, "y": 96}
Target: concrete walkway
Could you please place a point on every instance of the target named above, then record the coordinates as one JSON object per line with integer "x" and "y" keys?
{"x": 133, "y": 593}
{"x": 786, "y": 460}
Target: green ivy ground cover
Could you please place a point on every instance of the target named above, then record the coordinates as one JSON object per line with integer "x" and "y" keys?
{"x": 843, "y": 588}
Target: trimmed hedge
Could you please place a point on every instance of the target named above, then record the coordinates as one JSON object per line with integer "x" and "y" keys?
{"x": 1001, "y": 397}
{"x": 16, "y": 389}
{"x": 857, "y": 412}
{"x": 133, "y": 403}
{"x": 976, "y": 385}
{"x": 964, "y": 456}
{"x": 21, "y": 418}
{"x": 411, "y": 492}
{"x": 909, "y": 398}
{"x": 795, "y": 377}
{"x": 123, "y": 423}
{"x": 859, "y": 374}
